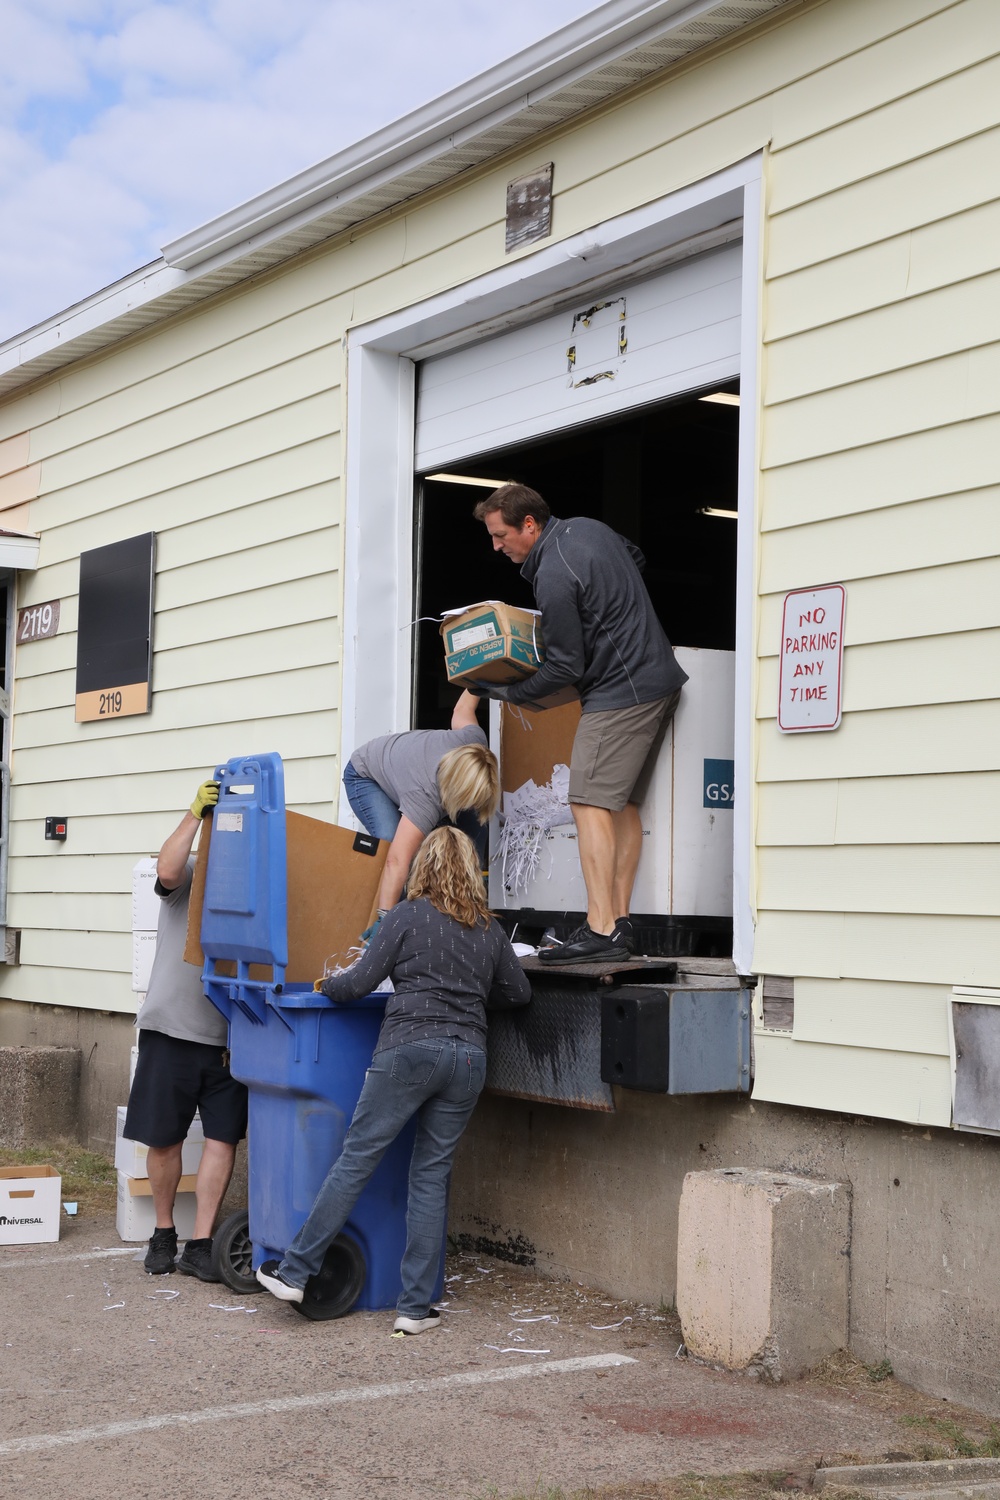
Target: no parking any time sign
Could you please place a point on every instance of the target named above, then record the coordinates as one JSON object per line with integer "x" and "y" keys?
{"x": 812, "y": 659}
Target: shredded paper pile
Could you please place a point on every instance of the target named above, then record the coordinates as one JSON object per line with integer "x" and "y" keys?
{"x": 528, "y": 813}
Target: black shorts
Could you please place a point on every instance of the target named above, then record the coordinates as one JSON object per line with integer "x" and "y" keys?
{"x": 173, "y": 1078}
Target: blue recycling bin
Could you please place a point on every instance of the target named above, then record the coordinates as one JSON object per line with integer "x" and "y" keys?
{"x": 302, "y": 1057}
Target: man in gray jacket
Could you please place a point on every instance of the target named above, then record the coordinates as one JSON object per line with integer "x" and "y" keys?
{"x": 602, "y": 637}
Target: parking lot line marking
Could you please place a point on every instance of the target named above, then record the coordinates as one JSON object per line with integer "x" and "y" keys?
{"x": 59, "y": 1260}
{"x": 318, "y": 1401}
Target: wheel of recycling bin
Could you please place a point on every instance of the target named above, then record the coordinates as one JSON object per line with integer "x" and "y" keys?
{"x": 337, "y": 1286}
{"x": 232, "y": 1253}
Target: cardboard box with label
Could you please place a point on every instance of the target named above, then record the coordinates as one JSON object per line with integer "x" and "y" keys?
{"x": 333, "y": 880}
{"x": 29, "y": 1205}
{"x": 136, "y": 1218}
{"x": 494, "y": 642}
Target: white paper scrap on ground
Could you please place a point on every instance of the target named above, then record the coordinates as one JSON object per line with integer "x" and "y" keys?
{"x": 539, "y": 1318}
{"x": 219, "y": 1308}
{"x": 605, "y": 1327}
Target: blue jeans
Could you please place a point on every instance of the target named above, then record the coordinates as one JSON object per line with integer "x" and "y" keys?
{"x": 374, "y": 808}
{"x": 439, "y": 1080}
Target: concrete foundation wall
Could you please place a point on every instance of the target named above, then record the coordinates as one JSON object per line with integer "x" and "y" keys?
{"x": 595, "y": 1197}
{"x": 104, "y": 1039}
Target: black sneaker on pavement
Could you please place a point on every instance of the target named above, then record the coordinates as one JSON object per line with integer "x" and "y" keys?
{"x": 403, "y": 1324}
{"x": 269, "y": 1276}
{"x": 196, "y": 1260}
{"x": 623, "y": 934}
{"x": 583, "y": 947}
{"x": 162, "y": 1250}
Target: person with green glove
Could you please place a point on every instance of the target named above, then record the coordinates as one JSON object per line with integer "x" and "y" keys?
{"x": 183, "y": 1067}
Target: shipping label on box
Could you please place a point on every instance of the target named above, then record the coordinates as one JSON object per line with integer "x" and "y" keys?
{"x": 29, "y": 1205}
{"x": 492, "y": 642}
{"x": 136, "y": 1217}
{"x": 130, "y": 1156}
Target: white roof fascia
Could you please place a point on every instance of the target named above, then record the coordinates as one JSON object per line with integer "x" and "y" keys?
{"x": 506, "y": 106}
{"x": 490, "y": 99}
{"x": 17, "y": 550}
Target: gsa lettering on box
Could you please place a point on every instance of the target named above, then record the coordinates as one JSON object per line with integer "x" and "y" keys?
{"x": 718, "y": 786}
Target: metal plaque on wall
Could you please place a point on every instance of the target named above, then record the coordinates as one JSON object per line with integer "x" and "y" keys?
{"x": 529, "y": 208}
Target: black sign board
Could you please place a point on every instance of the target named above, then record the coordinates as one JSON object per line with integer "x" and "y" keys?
{"x": 114, "y": 643}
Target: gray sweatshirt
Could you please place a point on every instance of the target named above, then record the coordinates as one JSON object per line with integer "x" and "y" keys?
{"x": 601, "y": 631}
{"x": 444, "y": 975}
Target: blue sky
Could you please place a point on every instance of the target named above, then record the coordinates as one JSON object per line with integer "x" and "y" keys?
{"x": 124, "y": 123}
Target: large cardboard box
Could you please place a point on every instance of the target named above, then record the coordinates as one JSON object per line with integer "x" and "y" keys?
{"x": 136, "y": 1215}
{"x": 530, "y": 749}
{"x": 333, "y": 881}
{"x": 29, "y": 1205}
{"x": 130, "y": 1156}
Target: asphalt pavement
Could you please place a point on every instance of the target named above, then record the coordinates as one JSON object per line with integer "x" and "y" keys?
{"x": 115, "y": 1382}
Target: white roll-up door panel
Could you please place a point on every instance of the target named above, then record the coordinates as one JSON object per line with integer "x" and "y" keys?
{"x": 629, "y": 346}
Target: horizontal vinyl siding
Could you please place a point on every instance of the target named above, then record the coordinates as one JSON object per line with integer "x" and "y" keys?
{"x": 882, "y": 810}
{"x": 877, "y": 883}
{"x": 910, "y": 1086}
{"x": 222, "y": 436}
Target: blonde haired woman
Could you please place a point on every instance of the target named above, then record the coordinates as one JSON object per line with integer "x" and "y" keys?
{"x": 401, "y": 786}
{"x": 448, "y": 960}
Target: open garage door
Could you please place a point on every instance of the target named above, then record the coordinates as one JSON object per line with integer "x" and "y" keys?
{"x": 630, "y": 345}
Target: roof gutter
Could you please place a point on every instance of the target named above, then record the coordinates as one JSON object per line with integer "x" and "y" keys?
{"x": 485, "y": 101}
{"x": 578, "y": 67}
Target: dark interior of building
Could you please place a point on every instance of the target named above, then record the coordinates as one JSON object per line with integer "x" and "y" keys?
{"x": 650, "y": 475}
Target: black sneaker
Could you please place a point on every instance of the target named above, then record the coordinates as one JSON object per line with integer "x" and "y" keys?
{"x": 269, "y": 1275}
{"x": 623, "y": 935}
{"x": 550, "y": 942}
{"x": 196, "y": 1260}
{"x": 583, "y": 947}
{"x": 403, "y": 1324}
{"x": 162, "y": 1250}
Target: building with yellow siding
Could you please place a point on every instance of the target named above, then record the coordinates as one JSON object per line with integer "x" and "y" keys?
{"x": 794, "y": 204}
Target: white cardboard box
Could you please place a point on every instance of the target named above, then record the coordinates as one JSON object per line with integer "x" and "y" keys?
{"x": 29, "y": 1205}
{"x": 137, "y": 1216}
{"x": 130, "y": 1156}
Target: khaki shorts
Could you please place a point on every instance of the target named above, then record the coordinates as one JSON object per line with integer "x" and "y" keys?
{"x": 615, "y": 750}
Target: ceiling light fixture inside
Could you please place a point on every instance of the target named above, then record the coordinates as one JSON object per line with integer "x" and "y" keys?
{"x": 722, "y": 398}
{"x": 486, "y": 484}
{"x": 713, "y": 510}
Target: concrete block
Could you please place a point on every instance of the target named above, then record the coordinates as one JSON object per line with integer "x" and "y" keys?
{"x": 763, "y": 1269}
{"x": 39, "y": 1094}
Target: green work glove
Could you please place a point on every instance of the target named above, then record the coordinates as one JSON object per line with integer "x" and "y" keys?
{"x": 369, "y": 932}
{"x": 206, "y": 797}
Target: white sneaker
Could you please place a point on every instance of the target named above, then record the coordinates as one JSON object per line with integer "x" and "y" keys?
{"x": 404, "y": 1324}
{"x": 268, "y": 1275}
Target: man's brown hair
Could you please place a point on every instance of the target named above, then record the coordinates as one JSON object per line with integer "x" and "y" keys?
{"x": 515, "y": 502}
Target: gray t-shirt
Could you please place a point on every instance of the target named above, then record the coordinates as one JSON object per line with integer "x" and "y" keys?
{"x": 175, "y": 1002}
{"x": 405, "y": 767}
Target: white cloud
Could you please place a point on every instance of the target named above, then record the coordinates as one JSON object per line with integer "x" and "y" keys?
{"x": 125, "y": 123}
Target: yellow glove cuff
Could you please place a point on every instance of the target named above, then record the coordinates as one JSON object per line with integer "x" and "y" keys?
{"x": 206, "y": 797}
